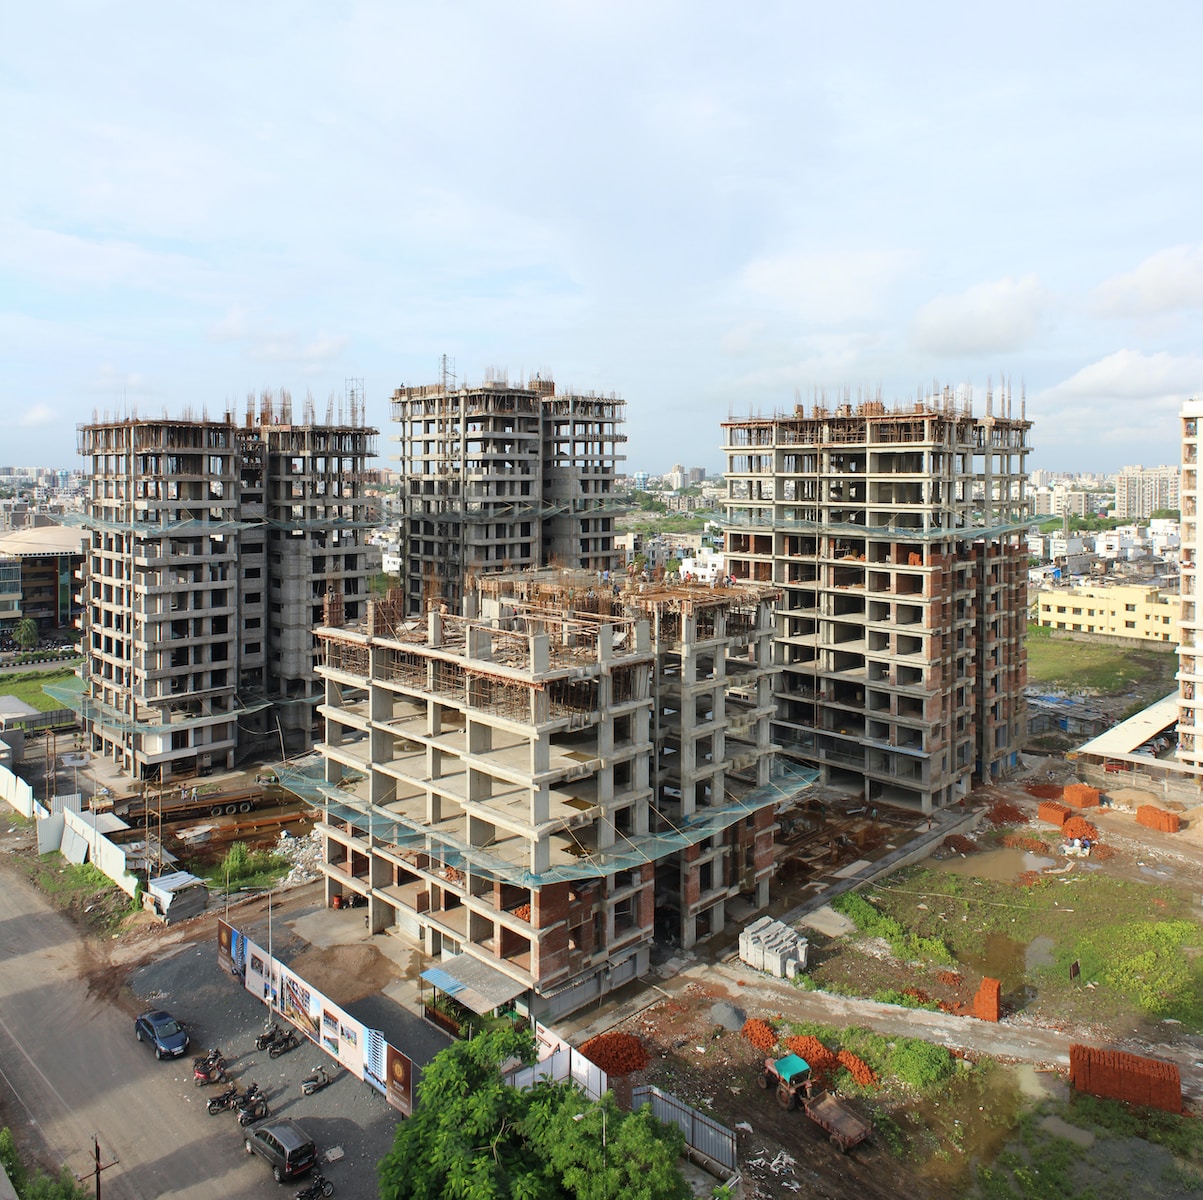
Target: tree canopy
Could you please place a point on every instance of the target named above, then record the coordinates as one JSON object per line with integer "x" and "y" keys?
{"x": 25, "y": 634}
{"x": 474, "y": 1137}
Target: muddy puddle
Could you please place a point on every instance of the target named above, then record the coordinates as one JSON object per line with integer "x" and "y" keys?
{"x": 1002, "y": 866}
{"x": 974, "y": 1117}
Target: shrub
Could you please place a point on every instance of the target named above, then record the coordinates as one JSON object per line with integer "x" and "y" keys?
{"x": 921, "y": 1064}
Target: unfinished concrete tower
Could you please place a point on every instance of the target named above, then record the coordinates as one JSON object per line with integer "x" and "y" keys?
{"x": 896, "y": 538}
{"x": 713, "y": 689}
{"x": 503, "y": 477}
{"x": 488, "y": 778}
{"x": 209, "y": 544}
{"x": 1190, "y": 645}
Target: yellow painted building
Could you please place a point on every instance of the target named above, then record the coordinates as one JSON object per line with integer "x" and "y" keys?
{"x": 1125, "y": 610}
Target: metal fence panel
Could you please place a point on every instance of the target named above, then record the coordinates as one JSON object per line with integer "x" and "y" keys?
{"x": 702, "y": 1133}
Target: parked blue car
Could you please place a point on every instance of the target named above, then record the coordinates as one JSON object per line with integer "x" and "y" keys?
{"x": 163, "y": 1032}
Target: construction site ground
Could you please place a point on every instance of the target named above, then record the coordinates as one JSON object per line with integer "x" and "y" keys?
{"x": 924, "y": 1145}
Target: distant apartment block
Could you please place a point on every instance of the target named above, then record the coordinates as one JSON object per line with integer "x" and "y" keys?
{"x": 500, "y": 477}
{"x": 1121, "y": 610}
{"x": 1190, "y": 642}
{"x": 539, "y": 788}
{"x": 1142, "y": 491}
{"x": 898, "y": 539}
{"x": 212, "y": 546}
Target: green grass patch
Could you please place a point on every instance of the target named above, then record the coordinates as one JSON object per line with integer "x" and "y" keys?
{"x": 80, "y": 889}
{"x": 1134, "y": 940}
{"x": 904, "y": 999}
{"x": 26, "y": 686}
{"x": 1091, "y": 666}
{"x": 1182, "y": 1136}
{"x": 57, "y": 877}
{"x": 1132, "y": 1158}
{"x": 245, "y": 869}
{"x": 903, "y": 942}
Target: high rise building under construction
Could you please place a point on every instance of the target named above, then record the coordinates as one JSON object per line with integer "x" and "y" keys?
{"x": 500, "y": 476}
{"x": 897, "y": 540}
{"x": 212, "y": 546}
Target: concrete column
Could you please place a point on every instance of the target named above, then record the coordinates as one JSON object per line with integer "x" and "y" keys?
{"x": 540, "y": 653}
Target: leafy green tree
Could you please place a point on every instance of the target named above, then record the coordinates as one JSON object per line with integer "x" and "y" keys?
{"x": 474, "y": 1137}
{"x": 25, "y": 634}
{"x": 36, "y": 1185}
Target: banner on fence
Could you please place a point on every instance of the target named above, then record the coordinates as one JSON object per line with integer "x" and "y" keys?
{"x": 400, "y": 1082}
{"x": 338, "y": 1033}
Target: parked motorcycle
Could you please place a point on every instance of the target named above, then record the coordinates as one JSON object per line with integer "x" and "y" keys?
{"x": 285, "y": 1042}
{"x": 318, "y": 1185}
{"x": 271, "y": 1031}
{"x": 228, "y": 1099}
{"x": 211, "y": 1069}
{"x": 253, "y": 1106}
{"x": 315, "y": 1082}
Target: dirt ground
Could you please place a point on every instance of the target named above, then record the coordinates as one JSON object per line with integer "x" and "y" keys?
{"x": 345, "y": 973}
{"x": 781, "y": 1153}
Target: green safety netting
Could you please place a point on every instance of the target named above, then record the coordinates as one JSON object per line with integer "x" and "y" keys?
{"x": 70, "y": 694}
{"x": 790, "y": 780}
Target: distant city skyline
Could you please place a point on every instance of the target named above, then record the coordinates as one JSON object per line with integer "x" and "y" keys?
{"x": 701, "y": 210}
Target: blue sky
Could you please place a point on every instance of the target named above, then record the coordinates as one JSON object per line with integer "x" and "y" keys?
{"x": 704, "y": 209}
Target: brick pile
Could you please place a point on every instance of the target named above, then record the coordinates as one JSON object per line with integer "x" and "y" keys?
{"x": 1075, "y": 827}
{"x": 1053, "y": 812}
{"x": 1117, "y": 1075}
{"x": 616, "y": 1053}
{"x": 1043, "y": 791}
{"x": 1153, "y": 817}
{"x": 1078, "y": 795}
{"x": 987, "y": 1004}
{"x": 761, "y": 1035}
{"x": 1002, "y": 812}
{"x": 822, "y": 1061}
{"x": 856, "y": 1066}
{"x": 1013, "y": 841}
{"x": 959, "y": 844}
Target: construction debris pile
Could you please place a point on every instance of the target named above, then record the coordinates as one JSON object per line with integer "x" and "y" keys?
{"x": 305, "y": 855}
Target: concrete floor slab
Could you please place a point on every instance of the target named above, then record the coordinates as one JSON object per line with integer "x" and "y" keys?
{"x": 827, "y": 921}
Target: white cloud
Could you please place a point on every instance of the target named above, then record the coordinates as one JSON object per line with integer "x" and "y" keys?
{"x": 1165, "y": 282}
{"x": 264, "y": 342}
{"x": 824, "y": 289}
{"x": 988, "y": 318}
{"x": 1128, "y": 398}
{"x": 123, "y": 384}
{"x": 37, "y": 416}
{"x": 77, "y": 261}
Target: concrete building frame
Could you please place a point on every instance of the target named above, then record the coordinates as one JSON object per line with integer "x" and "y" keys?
{"x": 897, "y": 539}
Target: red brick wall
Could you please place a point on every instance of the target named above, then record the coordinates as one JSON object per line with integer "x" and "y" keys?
{"x": 1116, "y": 1075}
{"x": 550, "y": 905}
{"x": 1052, "y": 812}
{"x": 1157, "y": 818}
{"x": 988, "y": 1001}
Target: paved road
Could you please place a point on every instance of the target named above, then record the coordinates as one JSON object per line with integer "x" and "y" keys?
{"x": 70, "y": 1066}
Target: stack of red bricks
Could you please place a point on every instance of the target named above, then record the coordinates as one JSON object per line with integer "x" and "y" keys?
{"x": 1153, "y": 817}
{"x": 1052, "y": 812}
{"x": 1116, "y": 1075}
{"x": 987, "y": 1004}
{"x": 1078, "y": 795}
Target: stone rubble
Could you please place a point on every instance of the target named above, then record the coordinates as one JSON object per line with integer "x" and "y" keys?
{"x": 305, "y": 855}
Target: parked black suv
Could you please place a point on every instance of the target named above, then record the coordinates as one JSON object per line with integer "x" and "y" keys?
{"x": 284, "y": 1144}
